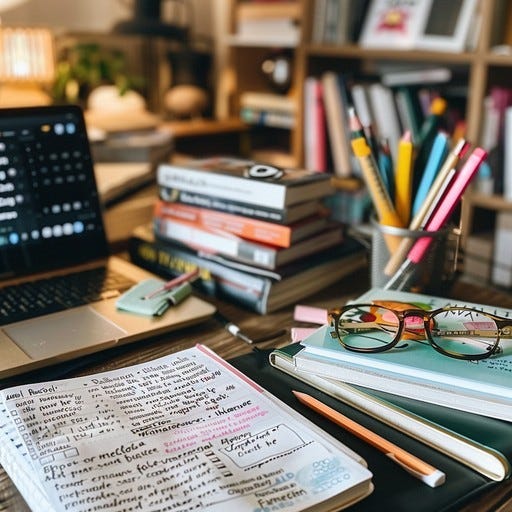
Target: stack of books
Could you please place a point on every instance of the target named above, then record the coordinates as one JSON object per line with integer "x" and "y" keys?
{"x": 258, "y": 234}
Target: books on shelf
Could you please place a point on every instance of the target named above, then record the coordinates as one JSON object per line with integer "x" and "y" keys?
{"x": 100, "y": 439}
{"x": 417, "y": 371}
{"x": 271, "y": 118}
{"x": 251, "y": 229}
{"x": 229, "y": 178}
{"x": 267, "y": 101}
{"x": 226, "y": 244}
{"x": 255, "y": 288}
{"x": 267, "y": 23}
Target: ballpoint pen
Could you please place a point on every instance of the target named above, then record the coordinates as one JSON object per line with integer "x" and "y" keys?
{"x": 235, "y": 330}
{"x": 418, "y": 468}
{"x": 187, "y": 276}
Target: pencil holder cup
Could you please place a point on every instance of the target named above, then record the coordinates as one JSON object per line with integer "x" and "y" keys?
{"x": 433, "y": 274}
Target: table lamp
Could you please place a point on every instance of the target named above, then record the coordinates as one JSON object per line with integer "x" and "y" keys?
{"x": 26, "y": 65}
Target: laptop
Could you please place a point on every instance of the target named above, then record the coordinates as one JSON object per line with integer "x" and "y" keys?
{"x": 53, "y": 245}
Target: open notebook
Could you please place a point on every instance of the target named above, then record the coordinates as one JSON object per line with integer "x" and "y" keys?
{"x": 51, "y": 231}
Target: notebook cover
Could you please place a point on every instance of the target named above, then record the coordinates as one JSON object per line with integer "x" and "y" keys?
{"x": 395, "y": 489}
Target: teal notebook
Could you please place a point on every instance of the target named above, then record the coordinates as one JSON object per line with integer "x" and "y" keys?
{"x": 419, "y": 371}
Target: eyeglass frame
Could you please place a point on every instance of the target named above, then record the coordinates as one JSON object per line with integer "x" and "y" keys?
{"x": 504, "y": 328}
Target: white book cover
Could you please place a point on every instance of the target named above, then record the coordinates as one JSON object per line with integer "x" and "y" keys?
{"x": 502, "y": 261}
{"x": 387, "y": 123}
{"x": 507, "y": 157}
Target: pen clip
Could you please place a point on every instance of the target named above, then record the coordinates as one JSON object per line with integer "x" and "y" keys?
{"x": 433, "y": 479}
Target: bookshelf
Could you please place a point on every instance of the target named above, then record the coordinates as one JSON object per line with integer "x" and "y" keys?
{"x": 479, "y": 69}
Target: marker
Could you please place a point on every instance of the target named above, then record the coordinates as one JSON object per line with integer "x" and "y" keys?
{"x": 418, "y": 468}
{"x": 443, "y": 212}
{"x": 403, "y": 178}
{"x": 426, "y": 138}
{"x": 187, "y": 276}
{"x": 435, "y": 161}
{"x": 421, "y": 218}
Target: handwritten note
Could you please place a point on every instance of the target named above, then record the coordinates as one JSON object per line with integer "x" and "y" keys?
{"x": 184, "y": 432}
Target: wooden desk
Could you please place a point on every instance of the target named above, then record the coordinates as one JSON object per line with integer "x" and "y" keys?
{"x": 213, "y": 335}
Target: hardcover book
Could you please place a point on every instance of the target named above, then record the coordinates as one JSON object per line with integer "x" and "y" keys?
{"x": 255, "y": 288}
{"x": 395, "y": 489}
{"x": 417, "y": 370}
{"x": 223, "y": 243}
{"x": 245, "y": 181}
{"x": 251, "y": 229}
{"x": 286, "y": 215}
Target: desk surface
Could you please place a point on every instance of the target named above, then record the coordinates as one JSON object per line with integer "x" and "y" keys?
{"x": 213, "y": 335}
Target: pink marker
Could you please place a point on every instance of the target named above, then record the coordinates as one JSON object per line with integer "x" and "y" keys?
{"x": 441, "y": 214}
{"x": 448, "y": 203}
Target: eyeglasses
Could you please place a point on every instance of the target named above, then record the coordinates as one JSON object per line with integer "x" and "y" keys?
{"x": 459, "y": 332}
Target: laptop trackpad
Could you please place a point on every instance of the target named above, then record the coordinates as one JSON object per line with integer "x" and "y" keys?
{"x": 62, "y": 332}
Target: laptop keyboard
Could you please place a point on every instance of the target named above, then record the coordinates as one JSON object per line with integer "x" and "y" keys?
{"x": 31, "y": 299}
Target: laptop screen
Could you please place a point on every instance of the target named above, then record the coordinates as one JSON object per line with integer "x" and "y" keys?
{"x": 50, "y": 213}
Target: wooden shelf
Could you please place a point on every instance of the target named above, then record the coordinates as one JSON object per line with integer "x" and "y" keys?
{"x": 476, "y": 66}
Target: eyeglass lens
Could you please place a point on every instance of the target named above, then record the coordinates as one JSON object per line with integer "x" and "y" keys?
{"x": 457, "y": 330}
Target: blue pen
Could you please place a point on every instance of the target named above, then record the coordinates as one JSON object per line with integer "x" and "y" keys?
{"x": 438, "y": 154}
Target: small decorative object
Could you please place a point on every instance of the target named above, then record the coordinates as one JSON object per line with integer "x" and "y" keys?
{"x": 185, "y": 101}
{"x": 277, "y": 67}
{"x": 188, "y": 96}
{"x": 108, "y": 98}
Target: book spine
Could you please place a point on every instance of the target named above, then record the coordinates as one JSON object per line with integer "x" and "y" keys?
{"x": 216, "y": 242}
{"x": 252, "y": 229}
{"x": 176, "y": 195}
{"x": 255, "y": 192}
{"x": 215, "y": 279}
{"x": 272, "y": 118}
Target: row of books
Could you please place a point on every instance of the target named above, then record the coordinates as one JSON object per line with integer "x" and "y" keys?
{"x": 258, "y": 241}
{"x": 338, "y": 21}
{"x": 388, "y": 105}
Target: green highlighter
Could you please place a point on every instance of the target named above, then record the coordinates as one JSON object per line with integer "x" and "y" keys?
{"x": 140, "y": 299}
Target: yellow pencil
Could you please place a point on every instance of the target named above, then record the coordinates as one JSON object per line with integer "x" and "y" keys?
{"x": 384, "y": 207}
{"x": 412, "y": 464}
{"x": 419, "y": 219}
{"x": 403, "y": 178}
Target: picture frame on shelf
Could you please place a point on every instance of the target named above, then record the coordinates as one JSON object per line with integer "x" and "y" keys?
{"x": 447, "y": 25}
{"x": 394, "y": 24}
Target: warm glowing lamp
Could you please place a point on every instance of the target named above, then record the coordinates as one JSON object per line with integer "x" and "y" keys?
{"x": 26, "y": 64}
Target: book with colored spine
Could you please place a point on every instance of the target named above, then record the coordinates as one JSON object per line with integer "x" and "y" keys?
{"x": 245, "y": 227}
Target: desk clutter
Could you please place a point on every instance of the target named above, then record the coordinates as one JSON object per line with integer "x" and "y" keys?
{"x": 260, "y": 235}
